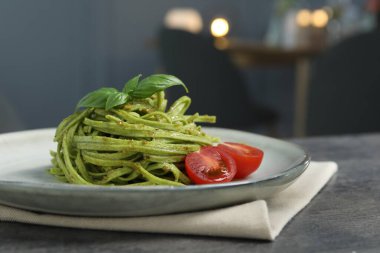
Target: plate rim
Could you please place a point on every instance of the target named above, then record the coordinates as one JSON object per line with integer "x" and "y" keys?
{"x": 303, "y": 162}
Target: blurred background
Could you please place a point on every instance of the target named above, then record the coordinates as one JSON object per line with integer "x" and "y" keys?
{"x": 282, "y": 68}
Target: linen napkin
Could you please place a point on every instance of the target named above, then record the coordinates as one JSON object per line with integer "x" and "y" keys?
{"x": 261, "y": 219}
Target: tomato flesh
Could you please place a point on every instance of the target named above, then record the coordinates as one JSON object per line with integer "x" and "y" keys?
{"x": 247, "y": 158}
{"x": 210, "y": 165}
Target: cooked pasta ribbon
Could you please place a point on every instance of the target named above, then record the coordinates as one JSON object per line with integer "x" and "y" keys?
{"x": 138, "y": 144}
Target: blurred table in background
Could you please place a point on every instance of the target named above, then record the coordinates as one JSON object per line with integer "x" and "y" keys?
{"x": 249, "y": 54}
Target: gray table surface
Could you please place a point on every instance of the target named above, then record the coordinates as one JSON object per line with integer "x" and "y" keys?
{"x": 344, "y": 217}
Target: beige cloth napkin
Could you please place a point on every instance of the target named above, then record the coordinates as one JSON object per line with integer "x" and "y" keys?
{"x": 261, "y": 219}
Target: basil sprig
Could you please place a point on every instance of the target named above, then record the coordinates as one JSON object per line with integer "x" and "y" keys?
{"x": 108, "y": 98}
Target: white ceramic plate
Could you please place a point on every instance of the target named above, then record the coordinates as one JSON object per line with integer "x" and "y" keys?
{"x": 25, "y": 182}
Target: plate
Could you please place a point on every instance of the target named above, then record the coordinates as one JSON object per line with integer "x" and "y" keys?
{"x": 25, "y": 182}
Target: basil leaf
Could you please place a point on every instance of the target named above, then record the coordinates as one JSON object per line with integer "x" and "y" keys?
{"x": 97, "y": 98}
{"x": 154, "y": 83}
{"x": 108, "y": 98}
{"x": 116, "y": 99}
{"x": 131, "y": 84}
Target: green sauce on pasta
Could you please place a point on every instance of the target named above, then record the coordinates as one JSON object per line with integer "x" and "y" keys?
{"x": 138, "y": 143}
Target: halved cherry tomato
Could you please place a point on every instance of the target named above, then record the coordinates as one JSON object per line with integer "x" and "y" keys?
{"x": 210, "y": 165}
{"x": 247, "y": 158}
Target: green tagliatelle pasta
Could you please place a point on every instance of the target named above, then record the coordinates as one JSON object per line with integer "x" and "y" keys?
{"x": 139, "y": 143}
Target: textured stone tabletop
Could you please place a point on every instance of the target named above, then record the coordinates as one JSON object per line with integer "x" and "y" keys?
{"x": 344, "y": 217}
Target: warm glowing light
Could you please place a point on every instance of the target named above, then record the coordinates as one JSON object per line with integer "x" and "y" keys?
{"x": 303, "y": 18}
{"x": 184, "y": 19}
{"x": 219, "y": 27}
{"x": 320, "y": 18}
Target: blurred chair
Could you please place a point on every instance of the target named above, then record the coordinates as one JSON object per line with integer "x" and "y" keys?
{"x": 344, "y": 95}
{"x": 216, "y": 86}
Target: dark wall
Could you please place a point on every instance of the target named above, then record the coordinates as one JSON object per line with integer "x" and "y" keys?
{"x": 52, "y": 52}
{"x": 44, "y": 48}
